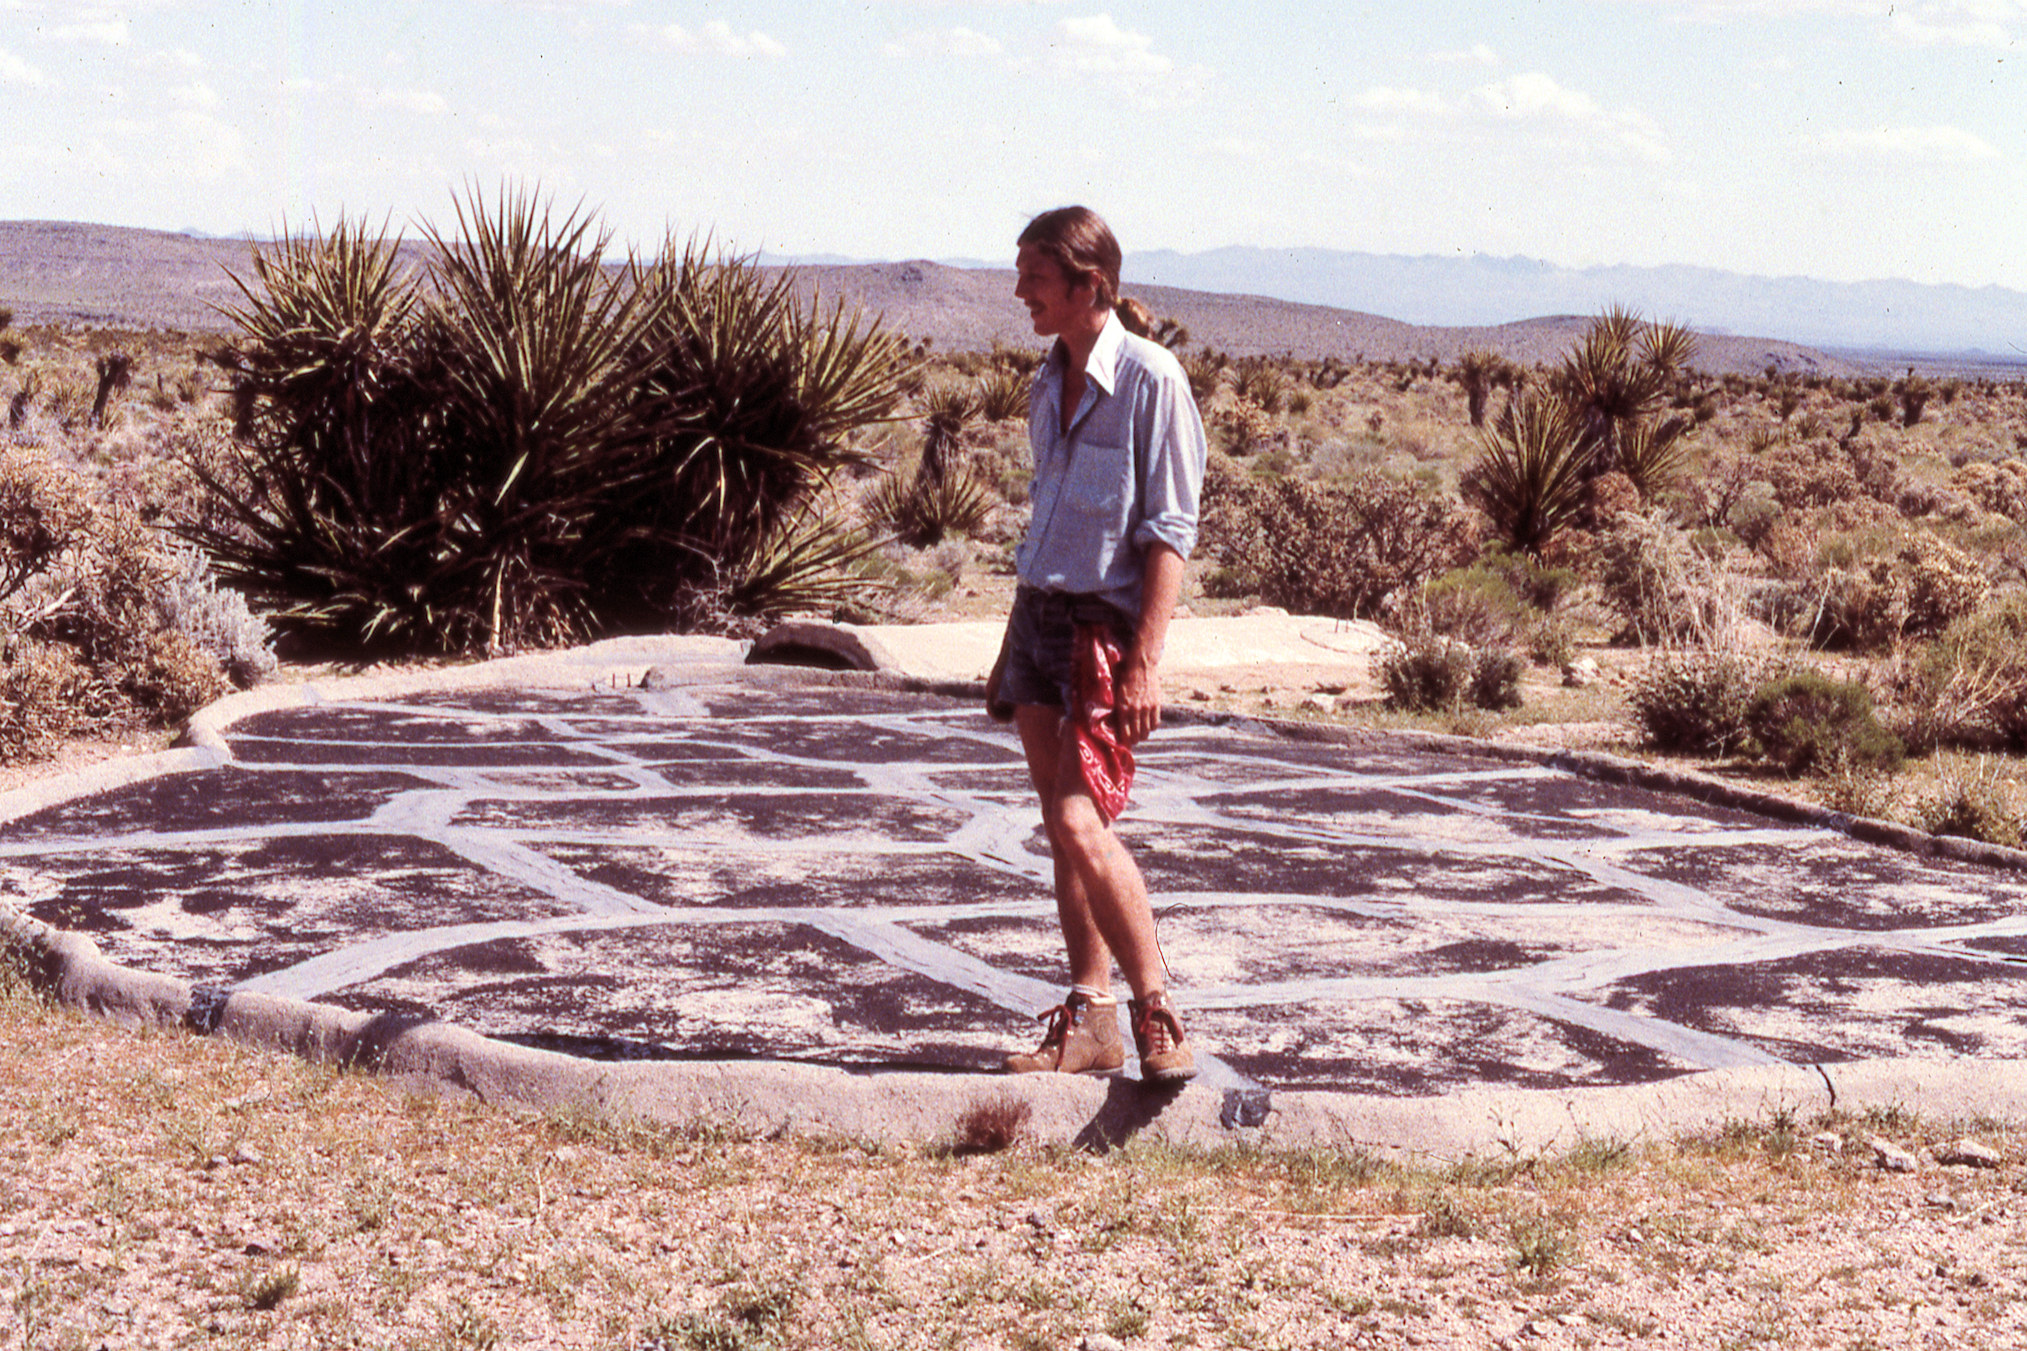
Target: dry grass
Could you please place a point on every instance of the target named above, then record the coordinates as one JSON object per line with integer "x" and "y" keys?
{"x": 162, "y": 1190}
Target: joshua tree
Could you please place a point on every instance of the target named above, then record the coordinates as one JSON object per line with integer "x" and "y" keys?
{"x": 1913, "y": 392}
{"x": 946, "y": 411}
{"x": 1478, "y": 371}
{"x": 116, "y": 369}
{"x": 1600, "y": 411}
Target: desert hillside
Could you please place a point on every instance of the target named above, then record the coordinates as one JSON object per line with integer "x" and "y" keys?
{"x": 66, "y": 274}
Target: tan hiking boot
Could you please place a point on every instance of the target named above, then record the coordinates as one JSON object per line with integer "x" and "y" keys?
{"x": 1083, "y": 1038}
{"x": 1165, "y": 1058}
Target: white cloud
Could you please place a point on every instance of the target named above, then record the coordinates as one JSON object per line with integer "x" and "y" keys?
{"x": 1241, "y": 147}
{"x": 1381, "y": 99}
{"x": 1980, "y": 23}
{"x": 13, "y": 70}
{"x": 172, "y": 59}
{"x": 405, "y": 100}
{"x": 210, "y": 150}
{"x": 1478, "y": 54}
{"x": 109, "y": 32}
{"x": 944, "y": 42}
{"x": 1906, "y": 145}
{"x": 1537, "y": 98}
{"x": 1952, "y": 26}
{"x": 1098, "y": 46}
{"x": 1537, "y": 95}
{"x": 196, "y": 94}
{"x": 716, "y": 38}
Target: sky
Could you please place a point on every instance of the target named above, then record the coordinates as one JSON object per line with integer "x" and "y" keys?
{"x": 1846, "y": 140}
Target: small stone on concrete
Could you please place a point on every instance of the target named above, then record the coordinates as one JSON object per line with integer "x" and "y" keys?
{"x": 1830, "y": 1142}
{"x": 1580, "y": 673}
{"x": 1098, "y": 1341}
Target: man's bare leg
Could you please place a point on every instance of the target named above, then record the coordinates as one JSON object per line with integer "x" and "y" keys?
{"x": 1101, "y": 897}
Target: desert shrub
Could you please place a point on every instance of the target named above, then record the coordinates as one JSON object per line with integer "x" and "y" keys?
{"x": 45, "y": 511}
{"x": 1495, "y": 679}
{"x": 1876, "y": 588}
{"x": 1334, "y": 550}
{"x": 103, "y": 622}
{"x": 1806, "y": 722}
{"x": 1424, "y": 672}
{"x": 1695, "y": 700}
{"x": 521, "y": 450}
{"x": 1972, "y": 799}
{"x": 1242, "y": 426}
{"x": 46, "y": 695}
{"x": 1502, "y": 599}
{"x": 1663, "y": 588}
{"x": 1999, "y": 487}
{"x": 174, "y": 678}
{"x": 1805, "y": 474}
{"x": 216, "y": 619}
{"x": 1476, "y": 605}
{"x": 1968, "y": 688}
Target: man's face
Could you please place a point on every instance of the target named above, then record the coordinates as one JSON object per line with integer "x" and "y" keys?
{"x": 1053, "y": 302}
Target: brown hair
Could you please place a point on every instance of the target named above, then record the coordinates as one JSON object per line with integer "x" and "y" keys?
{"x": 1082, "y": 245}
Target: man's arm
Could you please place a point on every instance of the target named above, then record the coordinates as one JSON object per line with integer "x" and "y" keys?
{"x": 1139, "y": 694}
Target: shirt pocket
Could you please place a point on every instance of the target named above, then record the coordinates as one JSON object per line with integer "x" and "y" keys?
{"x": 1096, "y": 485}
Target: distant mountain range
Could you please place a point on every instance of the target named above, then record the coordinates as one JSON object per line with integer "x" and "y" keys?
{"x": 1308, "y": 302}
{"x": 1476, "y": 291}
{"x": 1895, "y": 315}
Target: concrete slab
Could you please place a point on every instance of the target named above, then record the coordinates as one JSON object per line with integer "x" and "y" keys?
{"x": 965, "y": 652}
{"x": 819, "y": 902}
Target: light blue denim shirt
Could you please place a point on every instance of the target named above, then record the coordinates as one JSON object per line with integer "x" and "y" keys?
{"x": 1127, "y": 474}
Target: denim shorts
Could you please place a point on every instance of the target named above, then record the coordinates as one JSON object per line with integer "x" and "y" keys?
{"x": 1041, "y": 635}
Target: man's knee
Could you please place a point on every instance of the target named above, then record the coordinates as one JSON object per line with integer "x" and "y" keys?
{"x": 1077, "y": 830}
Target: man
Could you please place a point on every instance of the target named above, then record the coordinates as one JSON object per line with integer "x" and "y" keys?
{"x": 1119, "y": 462}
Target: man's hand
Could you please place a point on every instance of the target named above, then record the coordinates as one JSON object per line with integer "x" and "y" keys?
{"x": 1138, "y": 696}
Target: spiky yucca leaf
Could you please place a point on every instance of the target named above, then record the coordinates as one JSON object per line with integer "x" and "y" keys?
{"x": 1530, "y": 475}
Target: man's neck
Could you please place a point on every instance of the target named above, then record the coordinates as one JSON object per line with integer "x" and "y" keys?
{"x": 1078, "y": 342}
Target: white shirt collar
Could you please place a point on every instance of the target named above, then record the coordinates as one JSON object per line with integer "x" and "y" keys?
{"x": 1103, "y": 367}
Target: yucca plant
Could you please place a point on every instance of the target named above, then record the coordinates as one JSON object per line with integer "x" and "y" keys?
{"x": 920, "y": 511}
{"x": 1530, "y": 478}
{"x": 531, "y": 448}
{"x": 1617, "y": 377}
{"x": 1003, "y": 393}
{"x": 337, "y": 475}
{"x": 760, "y": 394}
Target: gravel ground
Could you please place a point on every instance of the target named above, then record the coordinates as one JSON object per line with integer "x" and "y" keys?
{"x": 165, "y": 1191}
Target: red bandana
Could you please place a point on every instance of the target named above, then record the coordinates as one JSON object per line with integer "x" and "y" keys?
{"x": 1105, "y": 761}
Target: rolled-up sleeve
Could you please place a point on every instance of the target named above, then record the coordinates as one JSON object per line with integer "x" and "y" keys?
{"x": 1172, "y": 438}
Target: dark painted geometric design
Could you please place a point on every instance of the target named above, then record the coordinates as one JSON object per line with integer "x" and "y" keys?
{"x": 724, "y": 868}
{"x": 1845, "y": 1004}
{"x": 229, "y": 797}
